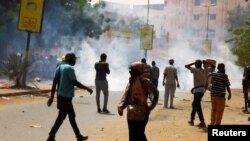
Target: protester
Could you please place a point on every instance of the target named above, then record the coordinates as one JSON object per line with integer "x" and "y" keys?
{"x": 209, "y": 67}
{"x": 135, "y": 99}
{"x": 155, "y": 73}
{"x": 101, "y": 83}
{"x": 220, "y": 83}
{"x": 199, "y": 80}
{"x": 246, "y": 88}
{"x": 65, "y": 80}
{"x": 170, "y": 81}
{"x": 147, "y": 68}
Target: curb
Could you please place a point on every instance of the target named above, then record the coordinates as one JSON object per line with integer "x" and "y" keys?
{"x": 33, "y": 92}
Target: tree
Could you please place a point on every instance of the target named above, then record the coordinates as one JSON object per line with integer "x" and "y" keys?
{"x": 242, "y": 41}
{"x": 239, "y": 27}
{"x": 14, "y": 67}
{"x": 63, "y": 20}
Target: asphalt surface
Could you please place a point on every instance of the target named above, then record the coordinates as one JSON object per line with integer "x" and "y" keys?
{"x": 33, "y": 121}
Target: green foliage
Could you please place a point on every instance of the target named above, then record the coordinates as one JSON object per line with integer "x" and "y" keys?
{"x": 239, "y": 26}
{"x": 241, "y": 40}
{"x": 13, "y": 66}
{"x": 9, "y": 10}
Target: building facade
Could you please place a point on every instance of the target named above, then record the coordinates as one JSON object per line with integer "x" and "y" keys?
{"x": 204, "y": 19}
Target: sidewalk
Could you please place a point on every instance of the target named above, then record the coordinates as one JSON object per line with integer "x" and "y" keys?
{"x": 42, "y": 89}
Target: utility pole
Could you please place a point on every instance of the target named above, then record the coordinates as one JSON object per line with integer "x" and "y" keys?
{"x": 208, "y": 17}
{"x": 208, "y": 43}
{"x": 147, "y": 24}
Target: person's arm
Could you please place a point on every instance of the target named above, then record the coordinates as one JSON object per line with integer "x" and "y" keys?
{"x": 189, "y": 65}
{"x": 81, "y": 86}
{"x": 244, "y": 85}
{"x": 123, "y": 103}
{"x": 229, "y": 93}
{"x": 108, "y": 70}
{"x": 208, "y": 82}
{"x": 176, "y": 78}
{"x": 164, "y": 77}
{"x": 151, "y": 88}
{"x": 53, "y": 90}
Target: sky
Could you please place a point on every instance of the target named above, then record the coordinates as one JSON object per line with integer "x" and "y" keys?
{"x": 134, "y": 2}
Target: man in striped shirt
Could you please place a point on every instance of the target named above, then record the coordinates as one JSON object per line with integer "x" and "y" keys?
{"x": 220, "y": 83}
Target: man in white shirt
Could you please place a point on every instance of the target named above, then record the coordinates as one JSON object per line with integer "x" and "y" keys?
{"x": 170, "y": 81}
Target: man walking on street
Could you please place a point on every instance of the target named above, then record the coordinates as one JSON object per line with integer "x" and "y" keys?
{"x": 199, "y": 79}
{"x": 101, "y": 83}
{"x": 65, "y": 80}
{"x": 170, "y": 80}
{"x": 155, "y": 73}
{"x": 147, "y": 68}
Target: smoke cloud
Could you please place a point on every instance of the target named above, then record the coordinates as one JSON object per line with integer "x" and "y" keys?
{"x": 122, "y": 52}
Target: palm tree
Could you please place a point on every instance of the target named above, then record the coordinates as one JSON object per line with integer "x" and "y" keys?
{"x": 14, "y": 67}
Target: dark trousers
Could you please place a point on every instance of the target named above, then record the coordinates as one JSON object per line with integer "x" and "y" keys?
{"x": 196, "y": 106}
{"x": 137, "y": 129}
{"x": 155, "y": 82}
{"x": 246, "y": 101}
{"x": 63, "y": 112}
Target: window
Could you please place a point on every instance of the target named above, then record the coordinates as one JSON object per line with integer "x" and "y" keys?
{"x": 213, "y": 2}
{"x": 211, "y": 33}
{"x": 196, "y": 17}
{"x": 197, "y": 2}
{"x": 212, "y": 16}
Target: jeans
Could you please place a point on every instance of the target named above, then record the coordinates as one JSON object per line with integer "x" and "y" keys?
{"x": 60, "y": 118}
{"x": 137, "y": 129}
{"x": 196, "y": 106}
{"x": 101, "y": 85}
{"x": 155, "y": 82}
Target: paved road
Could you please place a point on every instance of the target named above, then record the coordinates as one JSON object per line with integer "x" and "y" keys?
{"x": 32, "y": 122}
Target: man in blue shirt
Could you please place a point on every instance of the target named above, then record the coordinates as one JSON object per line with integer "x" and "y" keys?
{"x": 65, "y": 80}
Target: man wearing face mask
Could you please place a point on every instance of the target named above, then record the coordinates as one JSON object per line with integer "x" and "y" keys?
{"x": 65, "y": 80}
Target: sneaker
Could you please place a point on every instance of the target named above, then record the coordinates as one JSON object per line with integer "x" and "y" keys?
{"x": 171, "y": 107}
{"x": 202, "y": 125}
{"x": 244, "y": 111}
{"x": 191, "y": 122}
{"x": 106, "y": 111}
{"x": 82, "y": 138}
{"x": 99, "y": 110}
{"x": 51, "y": 139}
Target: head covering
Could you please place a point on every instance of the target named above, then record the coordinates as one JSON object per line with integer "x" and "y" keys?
{"x": 139, "y": 66}
{"x": 211, "y": 62}
{"x": 70, "y": 57}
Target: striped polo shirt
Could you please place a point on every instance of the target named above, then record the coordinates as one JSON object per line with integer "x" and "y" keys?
{"x": 219, "y": 82}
